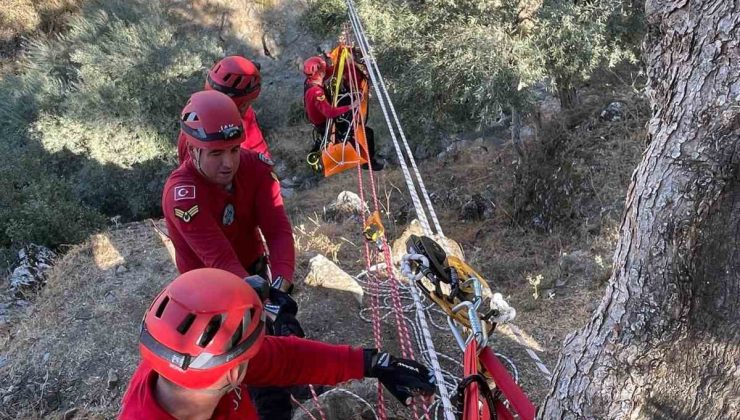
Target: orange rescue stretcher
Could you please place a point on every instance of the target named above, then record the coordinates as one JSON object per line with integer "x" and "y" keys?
{"x": 340, "y": 154}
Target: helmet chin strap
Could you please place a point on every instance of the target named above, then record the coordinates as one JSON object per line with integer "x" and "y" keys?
{"x": 196, "y": 159}
{"x": 231, "y": 385}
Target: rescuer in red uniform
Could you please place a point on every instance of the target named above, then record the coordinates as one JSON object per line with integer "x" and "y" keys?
{"x": 201, "y": 347}
{"x": 214, "y": 204}
{"x": 319, "y": 110}
{"x": 239, "y": 79}
{"x": 215, "y": 201}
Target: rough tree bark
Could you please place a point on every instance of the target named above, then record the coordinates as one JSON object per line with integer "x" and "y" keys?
{"x": 567, "y": 94}
{"x": 516, "y": 132}
{"x": 665, "y": 340}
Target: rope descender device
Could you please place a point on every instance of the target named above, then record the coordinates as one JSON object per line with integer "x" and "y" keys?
{"x": 454, "y": 286}
{"x": 460, "y": 292}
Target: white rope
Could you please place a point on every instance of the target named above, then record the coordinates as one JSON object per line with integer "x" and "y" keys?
{"x": 420, "y": 326}
{"x": 445, "y": 379}
{"x": 450, "y": 380}
{"x": 378, "y": 84}
{"x": 431, "y": 309}
{"x": 364, "y": 47}
{"x": 532, "y": 355}
{"x": 443, "y": 394}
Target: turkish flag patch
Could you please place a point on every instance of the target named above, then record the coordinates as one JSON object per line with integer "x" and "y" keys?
{"x": 184, "y": 192}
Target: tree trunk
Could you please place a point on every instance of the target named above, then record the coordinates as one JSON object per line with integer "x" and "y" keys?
{"x": 567, "y": 95}
{"x": 665, "y": 340}
{"x": 516, "y": 133}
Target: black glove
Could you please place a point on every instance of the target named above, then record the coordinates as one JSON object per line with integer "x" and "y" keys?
{"x": 403, "y": 378}
{"x": 286, "y": 325}
{"x": 280, "y": 302}
{"x": 284, "y": 309}
{"x": 283, "y": 285}
{"x": 260, "y": 285}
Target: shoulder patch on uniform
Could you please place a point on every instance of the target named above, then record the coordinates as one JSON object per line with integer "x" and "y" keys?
{"x": 186, "y": 215}
{"x": 266, "y": 159}
{"x": 228, "y": 217}
{"x": 274, "y": 176}
{"x": 184, "y": 192}
{"x": 321, "y": 97}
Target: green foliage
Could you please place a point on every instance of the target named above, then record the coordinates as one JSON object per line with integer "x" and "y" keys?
{"x": 90, "y": 122}
{"x": 458, "y": 64}
{"x": 456, "y": 58}
{"x": 325, "y": 17}
{"x": 43, "y": 209}
{"x": 577, "y": 38}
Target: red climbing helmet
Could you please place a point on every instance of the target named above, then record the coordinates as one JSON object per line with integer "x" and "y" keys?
{"x": 201, "y": 325}
{"x": 211, "y": 120}
{"x": 236, "y": 77}
{"x": 314, "y": 65}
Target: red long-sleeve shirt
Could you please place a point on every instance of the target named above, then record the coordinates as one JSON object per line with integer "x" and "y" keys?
{"x": 211, "y": 227}
{"x": 281, "y": 361}
{"x": 318, "y": 107}
{"x": 253, "y": 139}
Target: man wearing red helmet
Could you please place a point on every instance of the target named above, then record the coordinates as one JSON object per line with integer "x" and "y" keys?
{"x": 239, "y": 79}
{"x": 215, "y": 202}
{"x": 319, "y": 110}
{"x": 201, "y": 347}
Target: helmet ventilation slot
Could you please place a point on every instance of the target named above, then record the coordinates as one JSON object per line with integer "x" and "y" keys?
{"x": 211, "y": 329}
{"x": 186, "y": 324}
{"x": 160, "y": 308}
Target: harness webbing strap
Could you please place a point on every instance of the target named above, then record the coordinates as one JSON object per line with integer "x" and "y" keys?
{"x": 505, "y": 383}
{"x": 471, "y": 396}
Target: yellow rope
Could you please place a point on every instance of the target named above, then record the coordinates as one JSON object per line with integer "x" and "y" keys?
{"x": 340, "y": 74}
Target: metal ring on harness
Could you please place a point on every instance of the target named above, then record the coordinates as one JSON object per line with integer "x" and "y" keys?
{"x": 314, "y": 161}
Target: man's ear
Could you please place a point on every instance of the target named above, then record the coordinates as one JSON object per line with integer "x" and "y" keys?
{"x": 233, "y": 374}
{"x": 236, "y": 374}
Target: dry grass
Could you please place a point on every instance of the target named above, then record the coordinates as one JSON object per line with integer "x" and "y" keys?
{"x": 84, "y": 323}
{"x": 311, "y": 238}
{"x": 24, "y": 17}
{"x": 20, "y": 19}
